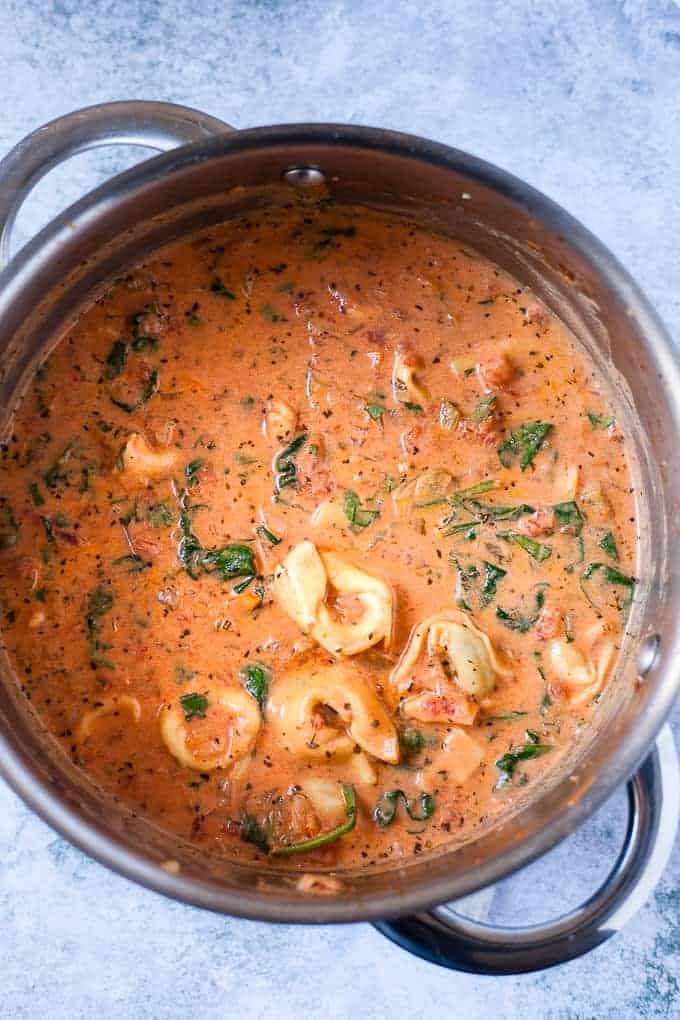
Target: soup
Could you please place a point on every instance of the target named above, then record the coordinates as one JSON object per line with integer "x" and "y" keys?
{"x": 317, "y": 540}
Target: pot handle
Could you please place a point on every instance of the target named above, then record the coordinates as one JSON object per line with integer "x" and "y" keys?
{"x": 159, "y": 126}
{"x": 452, "y": 940}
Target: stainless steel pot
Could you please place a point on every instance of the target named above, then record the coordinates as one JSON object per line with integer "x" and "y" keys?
{"x": 214, "y": 174}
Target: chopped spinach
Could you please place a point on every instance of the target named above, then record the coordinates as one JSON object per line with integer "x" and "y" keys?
{"x": 608, "y": 544}
{"x": 507, "y": 764}
{"x": 217, "y": 287}
{"x": 57, "y": 473}
{"x": 611, "y": 576}
{"x": 36, "y": 496}
{"x": 412, "y": 741}
{"x": 519, "y": 620}
{"x": 349, "y": 798}
{"x": 228, "y": 562}
{"x": 267, "y": 534}
{"x": 116, "y": 360}
{"x": 386, "y": 808}
{"x": 133, "y": 563}
{"x": 183, "y": 675}
{"x": 191, "y": 472}
{"x": 374, "y": 411}
{"x": 524, "y": 442}
{"x": 159, "y": 515}
{"x": 150, "y": 387}
{"x": 484, "y": 409}
{"x": 194, "y": 706}
{"x": 358, "y": 516}
{"x": 492, "y": 575}
{"x": 272, "y": 315}
{"x": 506, "y": 716}
{"x": 410, "y": 406}
{"x": 99, "y": 603}
{"x": 600, "y": 421}
{"x": 569, "y": 517}
{"x": 285, "y": 470}
{"x": 250, "y": 831}
{"x": 537, "y": 550}
{"x": 256, "y": 678}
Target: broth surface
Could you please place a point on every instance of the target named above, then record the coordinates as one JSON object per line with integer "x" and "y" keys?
{"x": 317, "y": 539}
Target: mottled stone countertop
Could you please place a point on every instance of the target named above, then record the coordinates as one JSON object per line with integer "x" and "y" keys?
{"x": 580, "y": 99}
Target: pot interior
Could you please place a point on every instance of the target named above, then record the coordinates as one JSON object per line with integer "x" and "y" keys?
{"x": 179, "y": 193}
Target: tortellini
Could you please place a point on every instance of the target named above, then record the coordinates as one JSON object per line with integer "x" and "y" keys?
{"x": 279, "y": 421}
{"x": 405, "y": 384}
{"x": 462, "y": 754}
{"x": 124, "y": 704}
{"x": 300, "y": 697}
{"x": 302, "y": 583}
{"x": 582, "y": 678}
{"x": 143, "y": 464}
{"x": 468, "y": 664}
{"x": 218, "y": 738}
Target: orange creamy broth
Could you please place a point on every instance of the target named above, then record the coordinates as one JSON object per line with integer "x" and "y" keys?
{"x": 150, "y": 445}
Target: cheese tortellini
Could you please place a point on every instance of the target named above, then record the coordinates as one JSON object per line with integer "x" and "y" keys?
{"x": 220, "y": 734}
{"x": 405, "y": 383}
{"x": 144, "y": 464}
{"x": 583, "y": 678}
{"x": 465, "y": 663}
{"x": 123, "y": 704}
{"x": 298, "y": 718}
{"x": 279, "y": 420}
{"x": 302, "y": 583}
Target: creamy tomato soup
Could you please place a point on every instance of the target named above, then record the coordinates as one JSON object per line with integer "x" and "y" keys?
{"x": 317, "y": 539}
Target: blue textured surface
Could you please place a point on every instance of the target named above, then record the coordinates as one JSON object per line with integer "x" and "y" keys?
{"x": 580, "y": 99}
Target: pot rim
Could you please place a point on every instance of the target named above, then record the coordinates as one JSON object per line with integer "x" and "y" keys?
{"x": 90, "y": 836}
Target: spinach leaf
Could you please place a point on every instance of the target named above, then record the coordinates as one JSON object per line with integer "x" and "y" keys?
{"x": 269, "y": 535}
{"x": 190, "y": 548}
{"x": 58, "y": 472}
{"x": 600, "y": 421}
{"x": 272, "y": 315}
{"x": 285, "y": 471}
{"x": 608, "y": 544}
{"x": 150, "y": 387}
{"x": 507, "y": 764}
{"x": 159, "y": 515}
{"x": 99, "y": 603}
{"x": 492, "y": 575}
{"x": 133, "y": 563}
{"x": 484, "y": 409}
{"x": 524, "y": 442}
{"x": 517, "y": 620}
{"x": 410, "y": 406}
{"x": 194, "y": 706}
{"x": 412, "y": 741}
{"x": 250, "y": 831}
{"x": 36, "y": 496}
{"x": 358, "y": 516}
{"x": 537, "y": 550}
{"x": 116, "y": 360}
{"x": 349, "y": 798}
{"x": 229, "y": 562}
{"x": 506, "y": 716}
{"x": 569, "y": 517}
{"x": 386, "y": 808}
{"x": 217, "y": 287}
{"x": 191, "y": 472}
{"x": 374, "y": 411}
{"x": 610, "y": 576}
{"x": 256, "y": 678}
